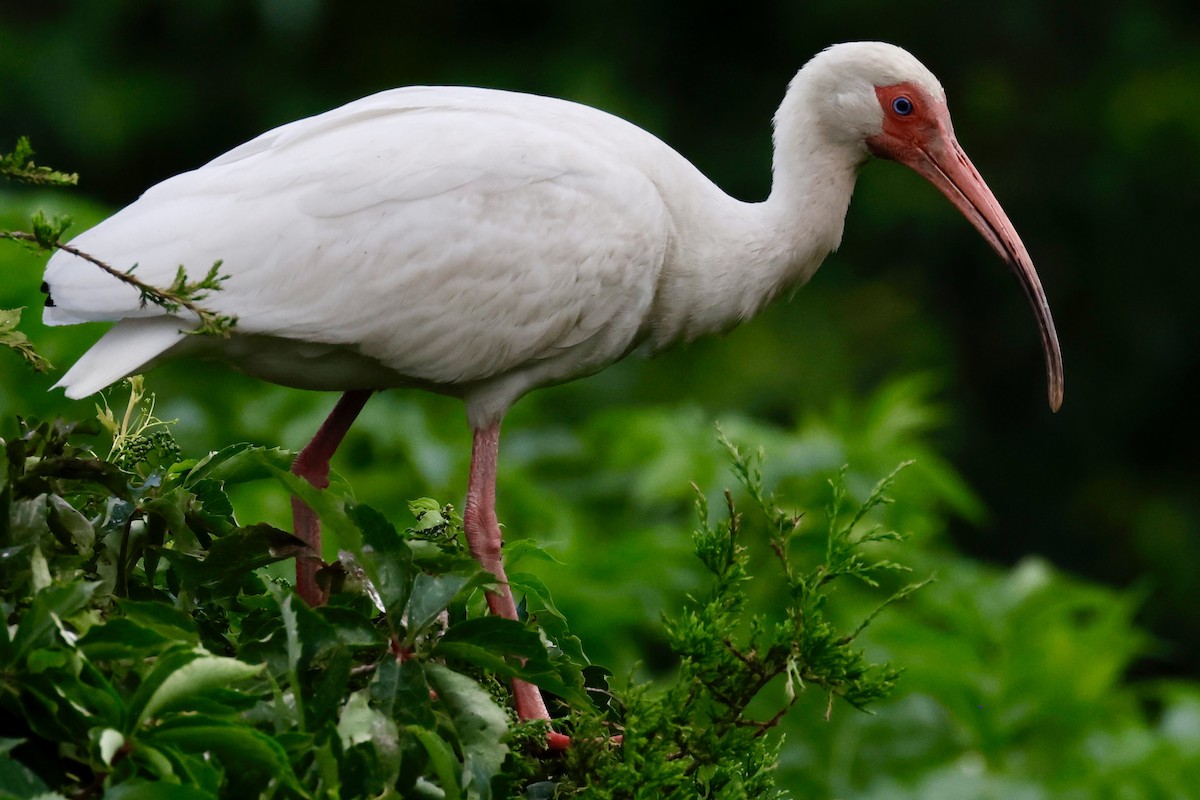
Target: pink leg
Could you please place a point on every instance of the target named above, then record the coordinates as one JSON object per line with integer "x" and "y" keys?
{"x": 483, "y": 537}
{"x": 312, "y": 464}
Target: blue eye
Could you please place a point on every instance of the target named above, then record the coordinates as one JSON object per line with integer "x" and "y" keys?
{"x": 902, "y": 106}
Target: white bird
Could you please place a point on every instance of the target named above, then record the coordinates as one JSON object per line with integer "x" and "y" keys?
{"x": 482, "y": 243}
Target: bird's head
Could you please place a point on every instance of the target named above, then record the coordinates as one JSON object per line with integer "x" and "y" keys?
{"x": 877, "y": 99}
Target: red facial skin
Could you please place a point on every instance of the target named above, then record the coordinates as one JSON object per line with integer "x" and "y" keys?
{"x": 924, "y": 140}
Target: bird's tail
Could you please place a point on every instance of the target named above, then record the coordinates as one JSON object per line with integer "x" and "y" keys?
{"x": 128, "y": 346}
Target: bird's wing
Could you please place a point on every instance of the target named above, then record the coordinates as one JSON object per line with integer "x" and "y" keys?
{"x": 453, "y": 235}
{"x": 127, "y": 347}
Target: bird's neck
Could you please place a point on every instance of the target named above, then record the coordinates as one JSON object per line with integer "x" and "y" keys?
{"x": 732, "y": 258}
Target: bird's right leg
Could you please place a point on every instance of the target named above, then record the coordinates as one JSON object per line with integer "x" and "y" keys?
{"x": 483, "y": 538}
{"x": 312, "y": 464}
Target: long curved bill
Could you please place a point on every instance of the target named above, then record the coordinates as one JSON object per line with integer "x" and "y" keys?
{"x": 946, "y": 166}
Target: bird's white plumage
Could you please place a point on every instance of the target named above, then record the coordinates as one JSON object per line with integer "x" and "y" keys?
{"x": 474, "y": 242}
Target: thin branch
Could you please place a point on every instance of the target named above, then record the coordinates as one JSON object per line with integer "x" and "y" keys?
{"x": 170, "y": 300}
{"x": 18, "y": 166}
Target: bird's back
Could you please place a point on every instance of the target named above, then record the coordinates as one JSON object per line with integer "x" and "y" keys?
{"x": 453, "y": 236}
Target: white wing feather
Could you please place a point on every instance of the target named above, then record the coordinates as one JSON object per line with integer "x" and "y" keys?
{"x": 128, "y": 347}
{"x": 452, "y": 235}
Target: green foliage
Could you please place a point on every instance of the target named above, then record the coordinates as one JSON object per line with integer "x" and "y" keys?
{"x": 698, "y": 737}
{"x": 1013, "y": 680}
{"x": 140, "y": 440}
{"x": 145, "y": 647}
{"x": 18, "y": 165}
{"x": 16, "y": 340}
{"x": 1015, "y": 687}
{"x": 46, "y": 234}
{"x": 184, "y": 293}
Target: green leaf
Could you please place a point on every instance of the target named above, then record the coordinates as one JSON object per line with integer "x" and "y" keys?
{"x": 252, "y": 759}
{"x": 240, "y": 463}
{"x": 181, "y": 683}
{"x": 552, "y": 622}
{"x": 330, "y": 505}
{"x": 430, "y": 596}
{"x": 359, "y": 722}
{"x": 172, "y": 508}
{"x": 157, "y": 790}
{"x": 511, "y": 650}
{"x": 386, "y": 559}
{"x": 441, "y": 756}
{"x": 50, "y": 606}
{"x": 231, "y": 557}
{"x": 67, "y": 523}
{"x": 42, "y": 660}
{"x": 527, "y": 548}
{"x": 121, "y": 638}
{"x": 19, "y": 781}
{"x": 16, "y": 340}
{"x": 169, "y": 622}
{"x": 400, "y": 691}
{"x": 330, "y": 687}
{"x": 74, "y": 468}
{"x": 212, "y": 504}
{"x": 351, "y": 628}
{"x": 61, "y": 704}
{"x": 481, "y": 725}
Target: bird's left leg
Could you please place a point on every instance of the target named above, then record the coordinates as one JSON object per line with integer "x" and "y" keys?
{"x": 483, "y": 538}
{"x": 312, "y": 464}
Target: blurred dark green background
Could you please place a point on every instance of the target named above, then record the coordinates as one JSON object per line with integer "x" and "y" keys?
{"x": 1082, "y": 117}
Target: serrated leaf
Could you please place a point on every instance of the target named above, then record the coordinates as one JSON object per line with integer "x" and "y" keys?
{"x": 328, "y": 691}
{"x": 351, "y": 628}
{"x": 240, "y": 463}
{"x": 330, "y": 505}
{"x": 212, "y": 502}
{"x": 511, "y": 650}
{"x": 530, "y": 584}
{"x": 288, "y": 603}
{"x": 527, "y": 548}
{"x": 172, "y": 508}
{"x": 232, "y": 556}
{"x": 42, "y": 660}
{"x": 385, "y": 558}
{"x": 431, "y": 595}
{"x": 401, "y": 691}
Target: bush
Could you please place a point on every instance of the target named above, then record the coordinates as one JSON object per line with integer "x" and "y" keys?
{"x": 147, "y": 655}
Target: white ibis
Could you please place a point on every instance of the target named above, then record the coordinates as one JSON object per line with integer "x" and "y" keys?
{"x": 482, "y": 243}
